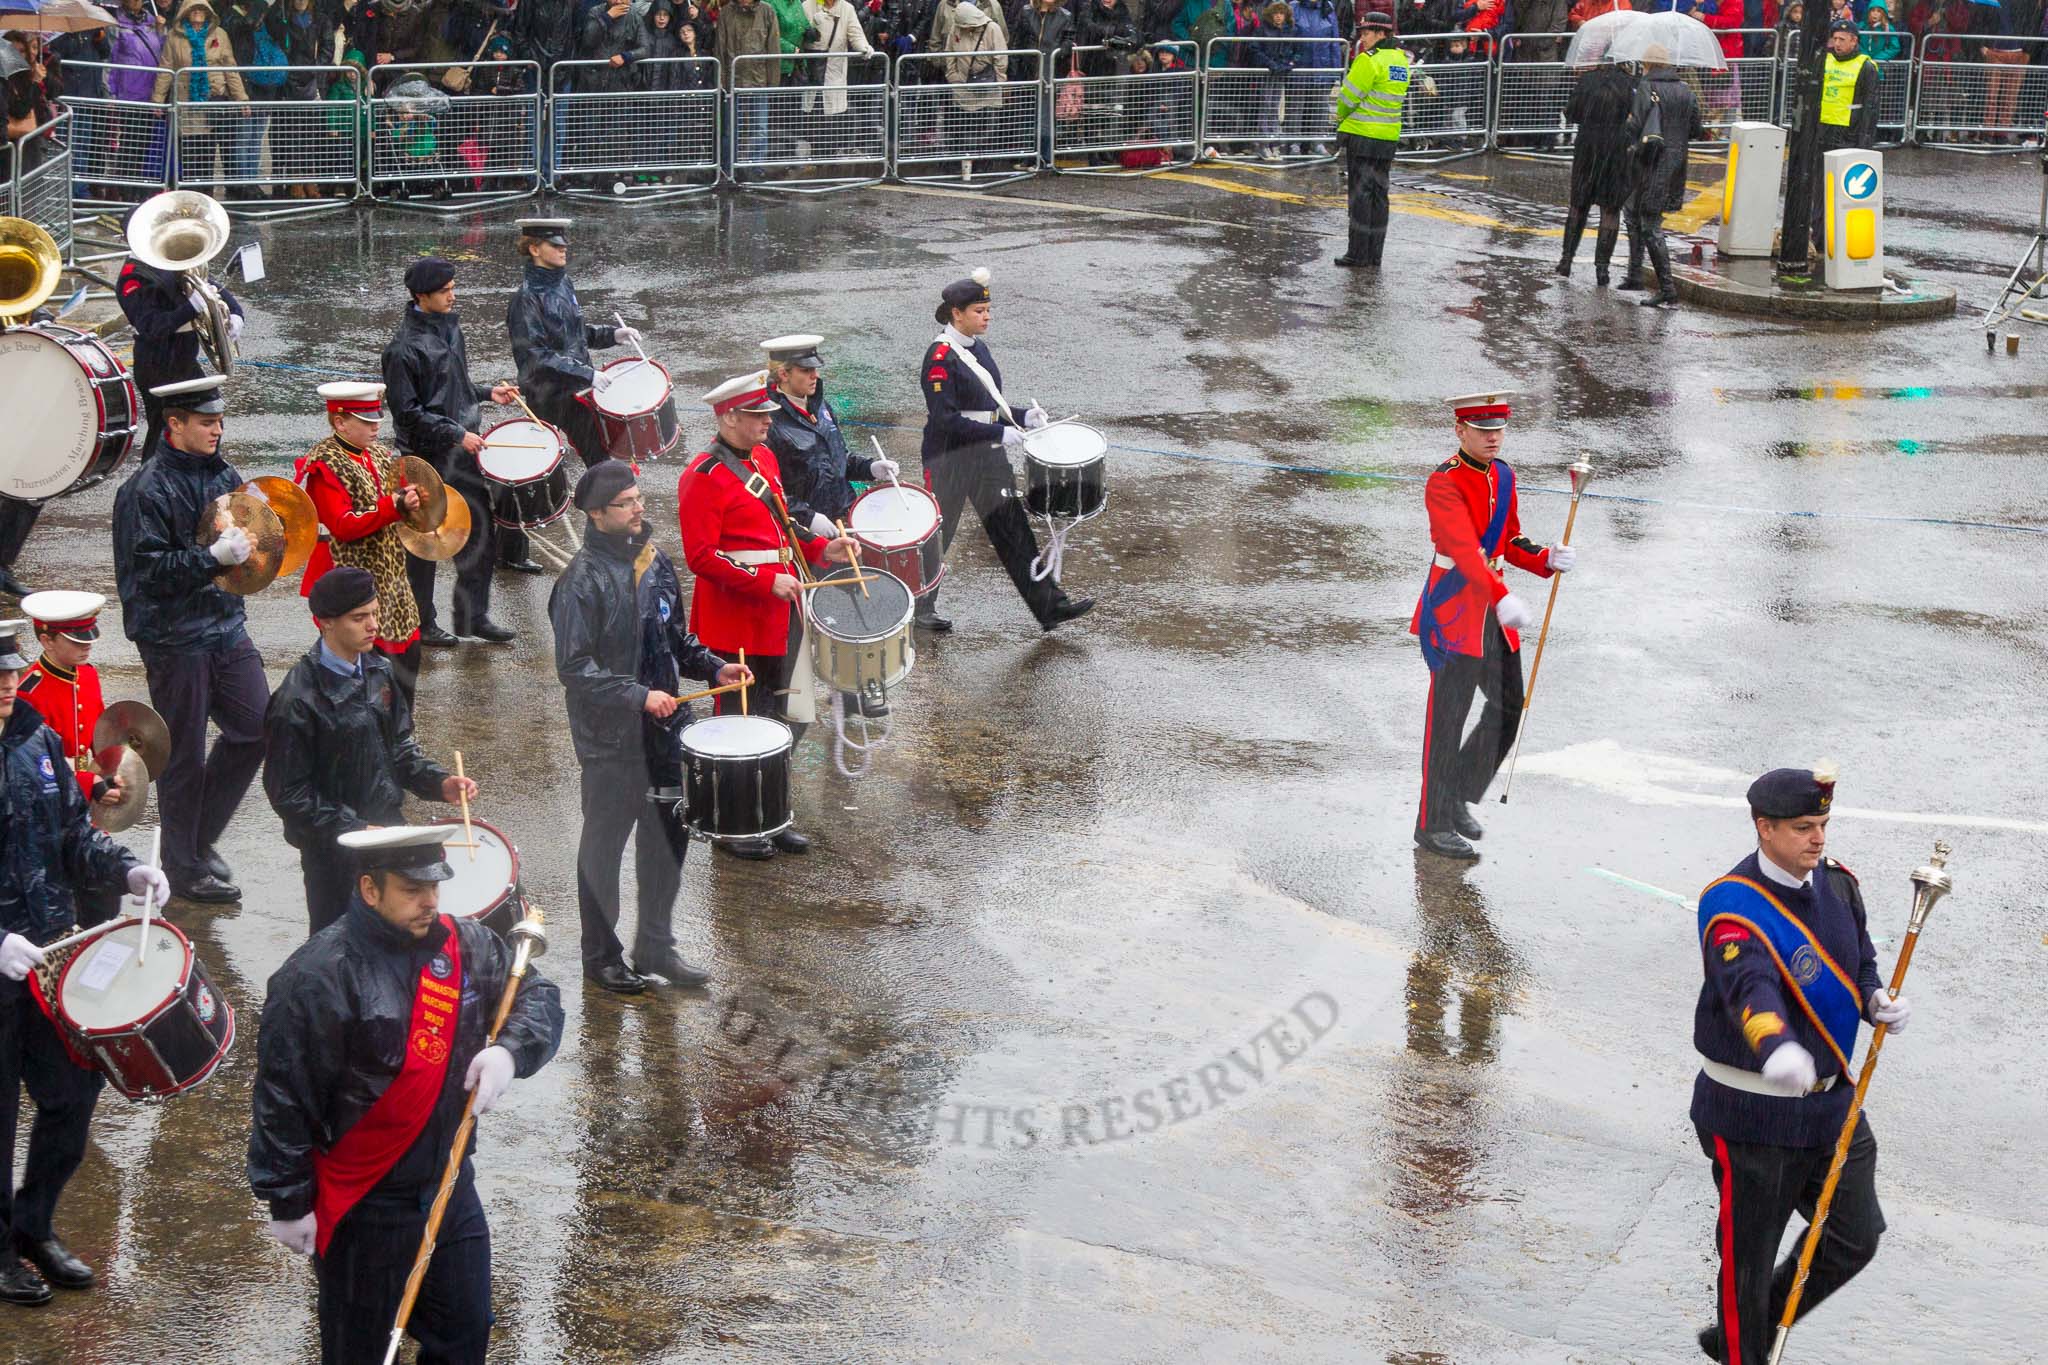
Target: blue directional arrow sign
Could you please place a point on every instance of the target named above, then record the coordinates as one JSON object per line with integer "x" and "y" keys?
{"x": 1860, "y": 181}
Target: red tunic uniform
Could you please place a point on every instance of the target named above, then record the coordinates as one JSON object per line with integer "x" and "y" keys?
{"x": 1461, "y": 497}
{"x": 68, "y": 704}
{"x": 343, "y": 522}
{"x": 733, "y": 605}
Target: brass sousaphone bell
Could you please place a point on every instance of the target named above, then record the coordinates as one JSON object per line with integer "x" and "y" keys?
{"x": 30, "y": 267}
{"x": 179, "y": 231}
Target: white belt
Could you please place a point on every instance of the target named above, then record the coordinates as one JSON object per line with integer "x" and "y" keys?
{"x": 743, "y": 558}
{"x": 1446, "y": 562}
{"x": 988, "y": 416}
{"x": 1735, "y": 1078}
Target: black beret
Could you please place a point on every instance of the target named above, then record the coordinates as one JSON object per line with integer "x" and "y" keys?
{"x": 602, "y": 482}
{"x": 1789, "y": 793}
{"x": 1377, "y": 19}
{"x": 428, "y": 274}
{"x": 340, "y": 591}
{"x": 964, "y": 293}
{"x": 1844, "y": 26}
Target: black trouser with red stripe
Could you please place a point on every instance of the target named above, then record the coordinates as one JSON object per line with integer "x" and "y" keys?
{"x": 1455, "y": 767}
{"x": 1760, "y": 1187}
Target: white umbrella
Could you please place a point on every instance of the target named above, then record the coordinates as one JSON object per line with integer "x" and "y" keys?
{"x": 1589, "y": 45}
{"x": 1670, "y": 39}
{"x": 54, "y": 16}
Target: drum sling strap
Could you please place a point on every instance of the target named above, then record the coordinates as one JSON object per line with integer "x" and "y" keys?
{"x": 351, "y": 1168}
{"x": 974, "y": 368}
{"x": 803, "y": 701}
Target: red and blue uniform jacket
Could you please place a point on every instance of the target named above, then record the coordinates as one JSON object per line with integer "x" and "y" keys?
{"x": 1475, "y": 524}
{"x": 733, "y": 606}
{"x": 70, "y": 704}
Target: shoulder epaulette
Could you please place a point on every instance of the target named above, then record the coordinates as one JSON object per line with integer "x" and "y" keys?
{"x": 1841, "y": 867}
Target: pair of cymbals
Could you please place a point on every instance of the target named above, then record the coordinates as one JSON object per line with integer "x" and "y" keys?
{"x": 281, "y": 523}
{"x": 131, "y": 744}
{"x": 432, "y": 512}
{"x": 450, "y": 531}
{"x": 134, "y": 779}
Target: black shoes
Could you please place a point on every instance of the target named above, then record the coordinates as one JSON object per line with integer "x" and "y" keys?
{"x": 208, "y": 890}
{"x": 58, "y": 1266}
{"x": 1662, "y": 299}
{"x": 1709, "y": 1339}
{"x": 1445, "y": 844}
{"x": 1600, "y": 274}
{"x": 522, "y": 566}
{"x": 789, "y": 841}
{"x": 489, "y": 631}
{"x": 436, "y": 638}
{"x": 753, "y": 850}
{"x": 1355, "y": 263}
{"x": 671, "y": 968}
{"x": 1631, "y": 282}
{"x": 13, "y": 586}
{"x": 1463, "y": 821}
{"x": 617, "y": 978}
{"x": 931, "y": 621}
{"x": 1564, "y": 270}
{"x": 215, "y": 865}
{"x": 1066, "y": 609}
{"x": 19, "y": 1283}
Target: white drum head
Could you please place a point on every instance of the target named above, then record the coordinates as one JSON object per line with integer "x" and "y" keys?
{"x": 894, "y": 515}
{"x": 736, "y": 737}
{"x": 108, "y": 985}
{"x": 52, "y": 415}
{"x": 1067, "y": 445}
{"x": 637, "y": 386}
{"x": 479, "y": 882}
{"x": 519, "y": 451}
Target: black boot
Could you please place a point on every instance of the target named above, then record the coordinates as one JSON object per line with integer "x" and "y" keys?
{"x": 1660, "y": 261}
{"x": 927, "y": 615}
{"x": 1574, "y": 229}
{"x": 1009, "y": 531}
{"x": 1603, "y": 246}
{"x": 1634, "y": 278}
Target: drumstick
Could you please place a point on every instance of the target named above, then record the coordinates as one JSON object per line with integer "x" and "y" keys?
{"x": 743, "y": 686}
{"x": 520, "y": 399}
{"x": 858, "y": 577}
{"x": 156, "y": 850}
{"x": 838, "y": 581}
{"x": 885, "y": 455}
{"x": 636, "y": 345}
{"x": 519, "y": 445}
{"x": 710, "y": 692}
{"x": 463, "y": 792}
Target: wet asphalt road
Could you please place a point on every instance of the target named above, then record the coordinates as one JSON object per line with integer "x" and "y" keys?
{"x": 1114, "y": 1016}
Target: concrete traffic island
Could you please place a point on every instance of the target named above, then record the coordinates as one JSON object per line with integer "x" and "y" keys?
{"x": 1751, "y": 285}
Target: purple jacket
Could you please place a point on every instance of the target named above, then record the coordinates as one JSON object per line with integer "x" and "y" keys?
{"x": 137, "y": 41}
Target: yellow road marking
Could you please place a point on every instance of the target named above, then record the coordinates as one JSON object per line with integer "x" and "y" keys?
{"x": 1283, "y": 196}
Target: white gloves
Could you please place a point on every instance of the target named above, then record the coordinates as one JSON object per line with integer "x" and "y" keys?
{"x": 883, "y": 470}
{"x": 148, "y": 883}
{"x": 1035, "y": 417}
{"x": 233, "y": 547}
{"x": 599, "y": 381}
{"x": 1893, "y": 1014}
{"x": 1013, "y": 439}
{"x": 629, "y": 336}
{"x": 234, "y": 327}
{"x": 18, "y": 956}
{"x": 1513, "y": 612}
{"x": 821, "y": 526}
{"x": 490, "y": 1075}
{"x": 300, "y": 1234}
{"x": 1561, "y": 558}
{"x": 1791, "y": 1069}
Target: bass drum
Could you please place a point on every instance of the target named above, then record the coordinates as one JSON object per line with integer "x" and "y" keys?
{"x": 71, "y": 407}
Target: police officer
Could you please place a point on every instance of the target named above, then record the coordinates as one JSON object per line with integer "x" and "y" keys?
{"x": 338, "y": 747}
{"x": 49, "y": 854}
{"x": 552, "y": 343}
{"x": 810, "y": 446}
{"x": 621, "y": 651}
{"x": 191, "y": 635}
{"x": 1848, "y": 108}
{"x": 1789, "y": 971}
{"x": 64, "y": 688}
{"x": 1466, "y": 622}
{"x": 1367, "y": 108}
{"x": 372, "y": 1032}
{"x": 165, "y": 318}
{"x": 434, "y": 407}
{"x": 969, "y": 430}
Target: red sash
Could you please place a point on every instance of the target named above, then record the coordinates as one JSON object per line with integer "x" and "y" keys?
{"x": 348, "y": 1170}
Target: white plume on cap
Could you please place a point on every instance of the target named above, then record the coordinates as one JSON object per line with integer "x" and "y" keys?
{"x": 1826, "y": 771}
{"x": 980, "y": 275}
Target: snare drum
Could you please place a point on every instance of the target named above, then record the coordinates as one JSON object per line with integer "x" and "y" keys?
{"x": 1064, "y": 466}
{"x": 155, "y": 1027}
{"x": 529, "y": 483}
{"x": 71, "y": 407}
{"x": 861, "y": 640}
{"x": 486, "y": 881}
{"x": 901, "y": 525}
{"x": 736, "y": 777}
{"x": 636, "y": 416}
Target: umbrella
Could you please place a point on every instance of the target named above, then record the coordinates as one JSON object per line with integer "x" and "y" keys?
{"x": 1670, "y": 39}
{"x": 52, "y": 16}
{"x": 1590, "y": 43}
{"x": 11, "y": 63}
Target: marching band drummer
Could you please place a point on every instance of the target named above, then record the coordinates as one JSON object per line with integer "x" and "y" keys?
{"x": 434, "y": 406}
{"x": 191, "y": 635}
{"x": 353, "y": 480}
{"x": 552, "y": 343}
{"x": 372, "y": 1035}
{"x": 49, "y": 853}
{"x": 969, "y": 430}
{"x": 740, "y": 543}
{"x": 338, "y": 752}
{"x": 64, "y": 688}
{"x": 810, "y": 449}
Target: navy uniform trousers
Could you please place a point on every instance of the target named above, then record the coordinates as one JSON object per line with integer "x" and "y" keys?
{"x": 1760, "y": 1186}
{"x": 200, "y": 790}
{"x": 1456, "y": 768}
{"x": 980, "y": 476}
{"x": 64, "y": 1093}
{"x": 362, "y": 1278}
{"x": 616, "y": 808}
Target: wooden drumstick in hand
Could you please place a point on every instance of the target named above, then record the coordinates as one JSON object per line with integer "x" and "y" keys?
{"x": 854, "y": 550}
{"x": 463, "y": 792}
{"x": 743, "y": 686}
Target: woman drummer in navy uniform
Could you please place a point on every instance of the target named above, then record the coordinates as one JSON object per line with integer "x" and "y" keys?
{"x": 969, "y": 430}
{"x": 818, "y": 471}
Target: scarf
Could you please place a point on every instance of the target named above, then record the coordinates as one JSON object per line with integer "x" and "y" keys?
{"x": 196, "y": 83}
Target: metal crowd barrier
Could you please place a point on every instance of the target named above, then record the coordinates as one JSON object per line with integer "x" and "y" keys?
{"x": 1250, "y": 109}
{"x": 975, "y": 118}
{"x": 267, "y": 148}
{"x": 1747, "y": 91}
{"x": 1982, "y": 105}
{"x": 443, "y": 151}
{"x": 1127, "y": 118}
{"x": 1894, "y": 86}
{"x": 42, "y": 193}
{"x": 804, "y": 135}
{"x": 1450, "y": 93}
{"x": 1529, "y": 96}
{"x": 119, "y": 145}
{"x": 655, "y": 139}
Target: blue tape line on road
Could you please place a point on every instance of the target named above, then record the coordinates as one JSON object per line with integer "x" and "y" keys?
{"x": 1319, "y": 471}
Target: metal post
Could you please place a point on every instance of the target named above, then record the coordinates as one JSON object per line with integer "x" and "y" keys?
{"x": 1802, "y": 114}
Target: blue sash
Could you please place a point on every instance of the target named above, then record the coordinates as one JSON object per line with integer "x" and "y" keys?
{"x": 1824, "y": 991}
{"x": 1435, "y": 646}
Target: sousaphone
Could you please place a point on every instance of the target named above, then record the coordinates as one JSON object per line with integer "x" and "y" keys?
{"x": 179, "y": 231}
{"x": 30, "y": 266}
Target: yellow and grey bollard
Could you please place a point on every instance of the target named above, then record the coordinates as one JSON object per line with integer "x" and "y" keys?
{"x": 1749, "y": 196}
{"x": 1854, "y": 221}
